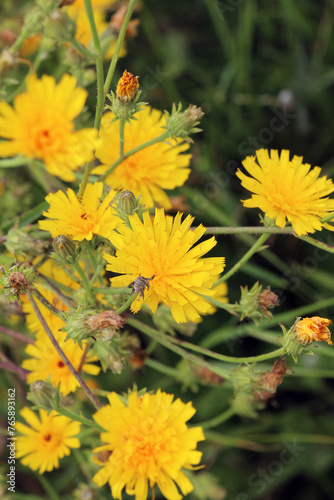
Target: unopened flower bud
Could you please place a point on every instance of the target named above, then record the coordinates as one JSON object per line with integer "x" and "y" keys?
{"x": 183, "y": 123}
{"x": 303, "y": 332}
{"x": 124, "y": 104}
{"x": 127, "y": 87}
{"x": 66, "y": 250}
{"x": 44, "y": 395}
{"x": 126, "y": 201}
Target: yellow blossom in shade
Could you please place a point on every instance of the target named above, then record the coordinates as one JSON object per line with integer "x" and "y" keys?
{"x": 148, "y": 172}
{"x": 288, "y": 190}
{"x": 313, "y": 329}
{"x": 147, "y": 443}
{"x": 77, "y": 13}
{"x": 40, "y": 125}
{"x": 160, "y": 250}
{"x": 80, "y": 219}
{"x": 45, "y": 439}
{"x": 45, "y": 362}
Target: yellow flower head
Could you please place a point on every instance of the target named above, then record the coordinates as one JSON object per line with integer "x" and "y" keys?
{"x": 148, "y": 443}
{"x": 40, "y": 125}
{"x": 313, "y": 329}
{"x": 127, "y": 87}
{"x": 150, "y": 171}
{"x": 45, "y": 440}
{"x": 80, "y": 220}
{"x": 45, "y": 362}
{"x": 288, "y": 190}
{"x": 175, "y": 273}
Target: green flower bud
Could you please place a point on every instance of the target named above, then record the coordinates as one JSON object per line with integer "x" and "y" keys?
{"x": 66, "y": 250}
{"x": 254, "y": 303}
{"x": 183, "y": 123}
{"x": 44, "y": 395}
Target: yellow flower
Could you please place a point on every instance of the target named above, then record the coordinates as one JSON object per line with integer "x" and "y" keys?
{"x": 40, "y": 125}
{"x": 149, "y": 171}
{"x": 45, "y": 362}
{"x": 45, "y": 440}
{"x": 148, "y": 443}
{"x": 288, "y": 189}
{"x": 80, "y": 220}
{"x": 175, "y": 273}
{"x": 77, "y": 13}
{"x": 313, "y": 329}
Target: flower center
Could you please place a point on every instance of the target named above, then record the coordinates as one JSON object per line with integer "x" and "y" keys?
{"x": 61, "y": 364}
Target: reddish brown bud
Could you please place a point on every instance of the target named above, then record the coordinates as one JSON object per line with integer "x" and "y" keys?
{"x": 103, "y": 320}
{"x": 138, "y": 359}
{"x": 7, "y": 36}
{"x": 267, "y": 300}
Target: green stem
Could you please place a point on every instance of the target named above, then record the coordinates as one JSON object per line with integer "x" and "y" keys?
{"x": 244, "y": 259}
{"x": 17, "y": 161}
{"x": 160, "y": 367}
{"x": 160, "y": 138}
{"x": 118, "y": 46}
{"x": 82, "y": 50}
{"x": 213, "y": 422}
{"x": 51, "y": 492}
{"x": 223, "y": 357}
{"x": 78, "y": 418}
{"x": 250, "y": 230}
{"x": 165, "y": 340}
{"x": 318, "y": 244}
{"x": 85, "y": 281}
{"x": 48, "y": 304}
{"x": 300, "y": 438}
{"x": 125, "y": 306}
{"x": 121, "y": 137}
{"x": 328, "y": 218}
{"x": 62, "y": 355}
{"x": 100, "y": 93}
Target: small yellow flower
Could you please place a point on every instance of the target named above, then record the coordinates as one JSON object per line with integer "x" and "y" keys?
{"x": 288, "y": 190}
{"x": 80, "y": 219}
{"x": 148, "y": 172}
{"x": 160, "y": 252}
{"x": 45, "y": 362}
{"x": 148, "y": 444}
{"x": 313, "y": 329}
{"x": 127, "y": 87}
{"x": 77, "y": 13}
{"x": 45, "y": 440}
{"x": 40, "y": 125}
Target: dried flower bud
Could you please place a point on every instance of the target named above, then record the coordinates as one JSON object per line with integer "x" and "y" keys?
{"x": 105, "y": 319}
{"x": 271, "y": 380}
{"x": 117, "y": 21}
{"x": 18, "y": 280}
{"x": 7, "y": 36}
{"x": 140, "y": 284}
{"x": 127, "y": 87}
{"x": 254, "y": 303}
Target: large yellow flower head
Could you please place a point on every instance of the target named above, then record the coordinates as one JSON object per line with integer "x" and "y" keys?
{"x": 80, "y": 219}
{"x": 148, "y": 443}
{"x": 45, "y": 362}
{"x": 148, "y": 172}
{"x": 176, "y": 274}
{"x": 40, "y": 125}
{"x": 288, "y": 190}
{"x": 45, "y": 440}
